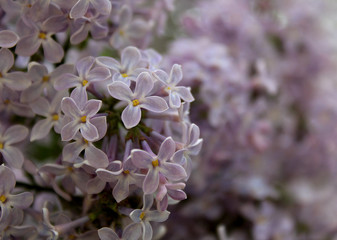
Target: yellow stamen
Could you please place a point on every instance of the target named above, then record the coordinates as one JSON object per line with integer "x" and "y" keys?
{"x": 168, "y": 88}
{"x": 55, "y": 117}
{"x": 121, "y": 32}
{"x": 155, "y": 163}
{"x": 142, "y": 215}
{"x": 3, "y": 198}
{"x": 70, "y": 169}
{"x": 124, "y": 75}
{"x": 72, "y": 237}
{"x": 83, "y": 119}
{"x": 1, "y": 76}
{"x": 29, "y": 5}
{"x": 85, "y": 140}
{"x": 135, "y": 102}
{"x": 84, "y": 82}
{"x": 42, "y": 35}
{"x": 126, "y": 171}
{"x": 1, "y": 145}
{"x": 45, "y": 78}
{"x": 6, "y": 102}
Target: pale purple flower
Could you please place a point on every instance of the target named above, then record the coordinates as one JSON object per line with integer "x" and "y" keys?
{"x": 93, "y": 156}
{"x": 138, "y": 99}
{"x": 9, "y": 136}
{"x": 16, "y": 81}
{"x": 90, "y": 22}
{"x": 80, "y": 119}
{"x": 42, "y": 35}
{"x": 128, "y": 30}
{"x": 125, "y": 174}
{"x": 43, "y": 81}
{"x": 11, "y": 205}
{"x": 176, "y": 93}
{"x": 52, "y": 113}
{"x": 158, "y": 164}
{"x": 165, "y": 189}
{"x": 8, "y": 38}
{"x": 81, "y": 7}
{"x": 71, "y": 176}
{"x": 87, "y": 75}
{"x": 191, "y": 147}
{"x": 144, "y": 216}
{"x": 129, "y": 67}
{"x": 131, "y": 232}
{"x": 10, "y": 104}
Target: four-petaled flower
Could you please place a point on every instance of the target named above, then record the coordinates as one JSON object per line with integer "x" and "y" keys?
{"x": 158, "y": 164}
{"x": 138, "y": 99}
{"x": 80, "y": 119}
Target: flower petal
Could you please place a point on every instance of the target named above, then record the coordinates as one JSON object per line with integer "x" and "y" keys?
{"x": 8, "y": 38}
{"x": 21, "y": 200}
{"x": 89, "y": 131}
{"x": 41, "y": 129}
{"x": 15, "y": 134}
{"x": 173, "y": 171}
{"x": 79, "y": 9}
{"x": 157, "y": 216}
{"x": 154, "y": 104}
{"x": 69, "y": 131}
{"x": 96, "y": 157}
{"x": 151, "y": 181}
{"x": 70, "y": 108}
{"x": 132, "y": 231}
{"x": 167, "y": 149}
{"x": 130, "y": 57}
{"x": 107, "y": 234}
{"x": 141, "y": 159}
{"x": 53, "y": 51}
{"x": 13, "y": 156}
{"x": 144, "y": 84}
{"x": 120, "y": 90}
{"x": 176, "y": 74}
{"x": 121, "y": 190}
{"x": 131, "y": 116}
{"x": 7, "y": 180}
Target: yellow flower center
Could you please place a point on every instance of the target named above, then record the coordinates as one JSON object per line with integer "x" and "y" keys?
{"x": 126, "y": 171}
{"x": 83, "y": 119}
{"x": 72, "y": 237}
{"x": 142, "y": 215}
{"x": 45, "y": 78}
{"x": 124, "y": 75}
{"x": 42, "y": 35}
{"x": 135, "y": 102}
{"x": 1, "y": 76}
{"x": 155, "y": 163}
{"x": 70, "y": 169}
{"x": 1, "y": 145}
{"x": 84, "y": 82}
{"x": 55, "y": 117}
{"x": 6, "y": 102}
{"x": 121, "y": 32}
{"x": 85, "y": 140}
{"x": 168, "y": 88}
{"x": 3, "y": 198}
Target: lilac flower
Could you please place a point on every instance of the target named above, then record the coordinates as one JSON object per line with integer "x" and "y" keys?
{"x": 158, "y": 164}
{"x": 87, "y": 76}
{"x": 92, "y": 22}
{"x": 138, "y": 99}
{"x": 11, "y": 205}
{"x": 10, "y": 104}
{"x": 8, "y": 39}
{"x": 51, "y": 112}
{"x": 81, "y": 7}
{"x": 125, "y": 174}
{"x": 93, "y": 156}
{"x": 71, "y": 176}
{"x": 80, "y": 119}
{"x": 16, "y": 81}
{"x": 42, "y": 80}
{"x": 175, "y": 92}
{"x": 128, "y": 30}
{"x": 129, "y": 67}
{"x": 144, "y": 216}
{"x": 131, "y": 232}
{"x": 42, "y": 35}
{"x": 9, "y": 136}
{"x": 191, "y": 146}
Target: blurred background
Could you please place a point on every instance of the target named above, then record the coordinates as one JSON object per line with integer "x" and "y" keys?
{"x": 263, "y": 73}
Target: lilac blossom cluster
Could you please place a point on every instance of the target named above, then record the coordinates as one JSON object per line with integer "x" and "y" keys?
{"x": 95, "y": 137}
{"x": 263, "y": 75}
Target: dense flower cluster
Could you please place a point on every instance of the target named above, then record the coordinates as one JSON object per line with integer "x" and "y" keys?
{"x": 92, "y": 145}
